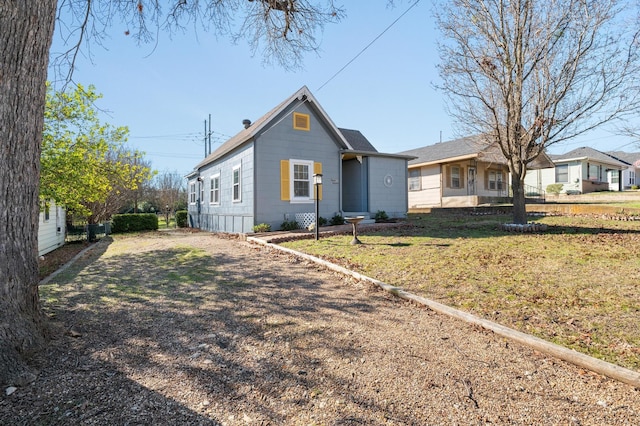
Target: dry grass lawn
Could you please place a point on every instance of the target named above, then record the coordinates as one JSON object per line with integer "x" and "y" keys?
{"x": 575, "y": 285}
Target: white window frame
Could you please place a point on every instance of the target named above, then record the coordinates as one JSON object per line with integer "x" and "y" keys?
{"x": 214, "y": 191}
{"x": 415, "y": 181}
{"x": 457, "y": 176}
{"x": 496, "y": 180}
{"x": 236, "y": 197}
{"x": 292, "y": 164}
{"x": 192, "y": 193}
{"x": 632, "y": 177}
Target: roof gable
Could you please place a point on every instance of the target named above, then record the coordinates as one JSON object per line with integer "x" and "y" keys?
{"x": 303, "y": 95}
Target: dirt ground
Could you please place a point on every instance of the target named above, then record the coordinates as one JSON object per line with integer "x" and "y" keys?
{"x": 188, "y": 328}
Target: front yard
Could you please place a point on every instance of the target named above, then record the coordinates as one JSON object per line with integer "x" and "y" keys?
{"x": 575, "y": 285}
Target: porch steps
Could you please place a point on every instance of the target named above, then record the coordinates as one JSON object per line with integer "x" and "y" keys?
{"x": 367, "y": 216}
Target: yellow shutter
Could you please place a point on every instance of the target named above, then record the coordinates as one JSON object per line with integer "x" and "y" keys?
{"x": 284, "y": 180}
{"x": 317, "y": 170}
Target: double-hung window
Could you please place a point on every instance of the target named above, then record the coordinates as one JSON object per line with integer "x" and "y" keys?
{"x": 214, "y": 195}
{"x": 594, "y": 172}
{"x": 615, "y": 177}
{"x": 495, "y": 180}
{"x": 237, "y": 184}
{"x": 301, "y": 172}
{"x": 455, "y": 177}
{"x": 562, "y": 173}
{"x": 414, "y": 180}
{"x": 192, "y": 193}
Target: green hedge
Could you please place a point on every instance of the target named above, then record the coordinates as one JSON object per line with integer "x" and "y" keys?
{"x": 134, "y": 222}
{"x": 181, "y": 218}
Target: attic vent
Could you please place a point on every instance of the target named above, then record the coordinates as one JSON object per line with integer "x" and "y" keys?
{"x": 301, "y": 121}
{"x": 246, "y": 123}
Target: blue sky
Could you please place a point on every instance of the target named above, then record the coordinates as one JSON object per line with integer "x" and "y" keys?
{"x": 164, "y": 93}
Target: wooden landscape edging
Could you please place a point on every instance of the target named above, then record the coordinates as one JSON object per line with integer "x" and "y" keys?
{"x": 569, "y": 355}
{"x": 64, "y": 267}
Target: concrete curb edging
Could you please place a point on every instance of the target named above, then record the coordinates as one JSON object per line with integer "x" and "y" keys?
{"x": 569, "y": 355}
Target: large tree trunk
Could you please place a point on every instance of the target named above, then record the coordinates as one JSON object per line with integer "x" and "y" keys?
{"x": 26, "y": 30}
{"x": 519, "y": 204}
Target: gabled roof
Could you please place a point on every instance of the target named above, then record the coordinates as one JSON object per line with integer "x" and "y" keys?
{"x": 357, "y": 140}
{"x": 303, "y": 95}
{"x": 626, "y": 157}
{"x": 458, "y": 149}
{"x": 588, "y": 154}
{"x": 470, "y": 147}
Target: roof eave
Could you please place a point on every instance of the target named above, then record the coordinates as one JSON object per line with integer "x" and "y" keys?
{"x": 444, "y": 160}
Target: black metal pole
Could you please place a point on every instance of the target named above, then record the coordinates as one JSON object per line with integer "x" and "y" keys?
{"x": 317, "y": 213}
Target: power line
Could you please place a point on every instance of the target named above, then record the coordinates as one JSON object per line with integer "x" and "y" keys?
{"x": 177, "y": 135}
{"x": 368, "y": 45}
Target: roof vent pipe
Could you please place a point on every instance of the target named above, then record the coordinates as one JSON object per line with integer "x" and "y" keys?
{"x": 246, "y": 123}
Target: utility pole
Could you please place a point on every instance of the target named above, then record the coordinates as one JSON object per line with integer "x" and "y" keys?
{"x": 207, "y": 137}
{"x": 209, "y": 134}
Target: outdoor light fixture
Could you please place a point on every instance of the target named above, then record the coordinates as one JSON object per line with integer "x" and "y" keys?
{"x": 317, "y": 181}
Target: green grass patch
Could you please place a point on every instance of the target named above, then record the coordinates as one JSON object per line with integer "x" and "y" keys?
{"x": 134, "y": 272}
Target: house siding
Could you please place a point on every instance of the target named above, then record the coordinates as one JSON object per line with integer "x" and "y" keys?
{"x": 430, "y": 187}
{"x": 283, "y": 142}
{"x": 294, "y": 138}
{"x": 228, "y": 215}
{"x": 51, "y": 232}
{"x": 388, "y": 186}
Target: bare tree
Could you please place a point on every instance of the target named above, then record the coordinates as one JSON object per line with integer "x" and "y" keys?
{"x": 532, "y": 73}
{"x": 170, "y": 189}
{"x": 286, "y": 28}
{"x": 283, "y": 31}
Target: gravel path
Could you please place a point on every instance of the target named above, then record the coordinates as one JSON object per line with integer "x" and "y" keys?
{"x": 258, "y": 337}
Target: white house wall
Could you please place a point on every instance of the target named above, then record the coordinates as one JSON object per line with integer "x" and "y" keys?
{"x": 630, "y": 177}
{"x": 51, "y": 231}
{"x": 577, "y": 179}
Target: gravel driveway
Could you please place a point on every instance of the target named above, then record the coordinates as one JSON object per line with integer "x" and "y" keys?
{"x": 251, "y": 336}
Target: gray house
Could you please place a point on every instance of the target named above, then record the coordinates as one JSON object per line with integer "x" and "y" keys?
{"x": 264, "y": 174}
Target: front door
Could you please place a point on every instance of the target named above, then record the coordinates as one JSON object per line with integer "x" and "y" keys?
{"x": 471, "y": 181}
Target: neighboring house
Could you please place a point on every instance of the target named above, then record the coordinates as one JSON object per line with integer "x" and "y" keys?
{"x": 630, "y": 175}
{"x": 464, "y": 172}
{"x": 264, "y": 174}
{"x": 51, "y": 227}
{"x": 580, "y": 171}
